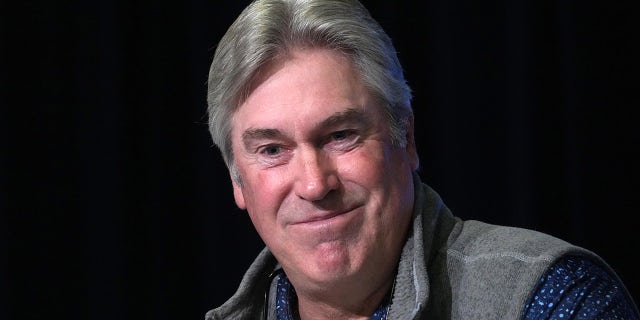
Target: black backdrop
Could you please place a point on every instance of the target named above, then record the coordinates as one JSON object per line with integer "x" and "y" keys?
{"x": 115, "y": 205}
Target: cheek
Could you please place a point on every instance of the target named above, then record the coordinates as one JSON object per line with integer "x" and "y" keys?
{"x": 263, "y": 195}
{"x": 263, "y": 218}
{"x": 387, "y": 177}
{"x": 366, "y": 168}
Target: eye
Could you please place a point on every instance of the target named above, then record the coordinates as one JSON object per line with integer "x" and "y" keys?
{"x": 271, "y": 150}
{"x": 341, "y": 135}
{"x": 343, "y": 140}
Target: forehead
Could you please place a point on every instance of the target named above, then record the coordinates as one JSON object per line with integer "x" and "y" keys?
{"x": 307, "y": 85}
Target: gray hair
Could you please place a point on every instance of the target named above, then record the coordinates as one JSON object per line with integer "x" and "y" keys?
{"x": 268, "y": 29}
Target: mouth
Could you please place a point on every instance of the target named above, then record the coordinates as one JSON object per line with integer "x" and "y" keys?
{"x": 325, "y": 217}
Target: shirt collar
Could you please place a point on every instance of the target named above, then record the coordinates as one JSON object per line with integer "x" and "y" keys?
{"x": 286, "y": 298}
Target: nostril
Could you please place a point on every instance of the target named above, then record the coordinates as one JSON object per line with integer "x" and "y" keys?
{"x": 314, "y": 188}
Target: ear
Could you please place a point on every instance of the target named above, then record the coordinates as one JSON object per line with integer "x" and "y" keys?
{"x": 411, "y": 149}
{"x": 238, "y": 195}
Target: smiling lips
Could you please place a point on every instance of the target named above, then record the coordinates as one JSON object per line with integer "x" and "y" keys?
{"x": 324, "y": 216}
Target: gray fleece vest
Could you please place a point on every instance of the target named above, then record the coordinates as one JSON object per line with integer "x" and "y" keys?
{"x": 449, "y": 269}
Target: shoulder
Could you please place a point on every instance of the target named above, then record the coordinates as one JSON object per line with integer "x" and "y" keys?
{"x": 578, "y": 286}
{"x": 496, "y": 268}
{"x": 248, "y": 301}
{"x": 474, "y": 240}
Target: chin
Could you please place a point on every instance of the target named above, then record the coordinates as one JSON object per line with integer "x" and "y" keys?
{"x": 333, "y": 265}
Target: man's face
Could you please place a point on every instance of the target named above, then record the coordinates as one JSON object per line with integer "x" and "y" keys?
{"x": 323, "y": 185}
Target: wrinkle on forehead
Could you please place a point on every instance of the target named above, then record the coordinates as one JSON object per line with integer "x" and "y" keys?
{"x": 345, "y": 94}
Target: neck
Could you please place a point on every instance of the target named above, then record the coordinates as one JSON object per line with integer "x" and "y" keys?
{"x": 347, "y": 304}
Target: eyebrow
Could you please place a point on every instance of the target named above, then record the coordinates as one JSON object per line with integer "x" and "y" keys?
{"x": 257, "y": 134}
{"x": 349, "y": 115}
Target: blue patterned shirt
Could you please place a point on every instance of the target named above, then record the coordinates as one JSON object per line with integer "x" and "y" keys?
{"x": 578, "y": 288}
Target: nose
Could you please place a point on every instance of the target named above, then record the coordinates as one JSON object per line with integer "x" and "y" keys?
{"x": 316, "y": 175}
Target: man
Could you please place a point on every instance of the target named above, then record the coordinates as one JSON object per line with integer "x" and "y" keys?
{"x": 310, "y": 109}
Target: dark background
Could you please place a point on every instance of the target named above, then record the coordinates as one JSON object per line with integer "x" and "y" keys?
{"x": 115, "y": 205}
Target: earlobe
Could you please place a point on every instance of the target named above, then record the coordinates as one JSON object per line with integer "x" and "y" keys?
{"x": 238, "y": 195}
{"x": 412, "y": 151}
